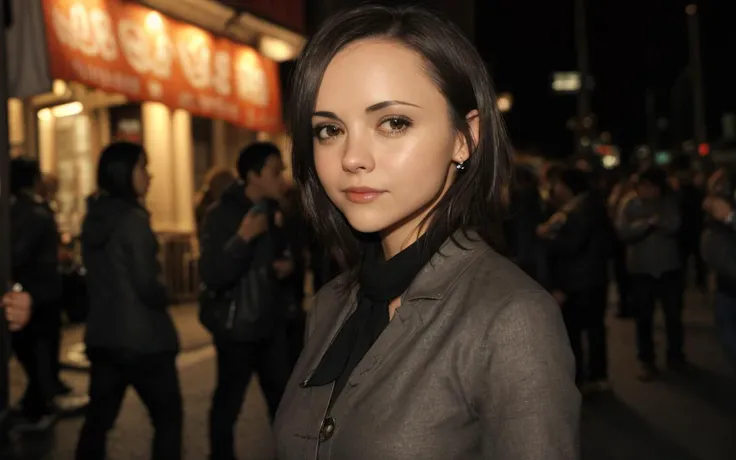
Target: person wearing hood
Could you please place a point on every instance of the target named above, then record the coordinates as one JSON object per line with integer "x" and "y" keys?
{"x": 245, "y": 259}
{"x": 130, "y": 337}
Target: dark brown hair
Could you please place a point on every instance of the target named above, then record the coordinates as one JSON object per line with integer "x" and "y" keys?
{"x": 474, "y": 199}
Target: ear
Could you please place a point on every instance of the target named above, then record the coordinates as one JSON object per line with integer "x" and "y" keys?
{"x": 462, "y": 149}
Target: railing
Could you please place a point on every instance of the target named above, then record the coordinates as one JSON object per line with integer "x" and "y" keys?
{"x": 178, "y": 255}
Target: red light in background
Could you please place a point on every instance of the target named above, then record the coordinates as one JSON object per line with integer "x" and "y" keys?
{"x": 703, "y": 149}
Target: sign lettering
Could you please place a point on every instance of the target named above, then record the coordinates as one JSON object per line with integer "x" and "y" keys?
{"x": 126, "y": 48}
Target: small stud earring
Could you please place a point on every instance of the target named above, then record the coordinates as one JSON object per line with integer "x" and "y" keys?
{"x": 461, "y": 166}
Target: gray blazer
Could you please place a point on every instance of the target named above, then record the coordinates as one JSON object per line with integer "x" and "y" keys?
{"x": 474, "y": 365}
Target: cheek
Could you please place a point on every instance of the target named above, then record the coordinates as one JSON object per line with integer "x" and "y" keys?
{"x": 418, "y": 182}
{"x": 329, "y": 169}
{"x": 423, "y": 166}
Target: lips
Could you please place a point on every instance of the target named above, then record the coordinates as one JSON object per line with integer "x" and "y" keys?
{"x": 362, "y": 195}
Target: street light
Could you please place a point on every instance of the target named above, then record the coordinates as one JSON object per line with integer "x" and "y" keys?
{"x": 505, "y": 101}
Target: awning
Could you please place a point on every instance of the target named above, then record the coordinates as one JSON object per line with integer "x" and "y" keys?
{"x": 127, "y": 48}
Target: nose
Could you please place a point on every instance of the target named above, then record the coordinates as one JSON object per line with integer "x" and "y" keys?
{"x": 357, "y": 156}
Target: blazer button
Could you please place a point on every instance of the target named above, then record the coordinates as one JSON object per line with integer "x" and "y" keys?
{"x": 327, "y": 429}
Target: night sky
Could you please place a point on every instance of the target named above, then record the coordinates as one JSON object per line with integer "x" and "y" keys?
{"x": 634, "y": 45}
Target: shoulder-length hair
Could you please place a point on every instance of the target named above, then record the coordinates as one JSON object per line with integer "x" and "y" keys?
{"x": 451, "y": 60}
{"x": 115, "y": 170}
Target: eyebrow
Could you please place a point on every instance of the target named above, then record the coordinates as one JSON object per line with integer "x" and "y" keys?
{"x": 384, "y": 104}
{"x": 325, "y": 114}
{"x": 373, "y": 108}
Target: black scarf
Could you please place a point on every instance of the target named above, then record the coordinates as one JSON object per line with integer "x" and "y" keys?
{"x": 381, "y": 281}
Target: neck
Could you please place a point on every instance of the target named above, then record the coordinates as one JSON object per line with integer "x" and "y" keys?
{"x": 406, "y": 232}
{"x": 396, "y": 240}
{"x": 253, "y": 194}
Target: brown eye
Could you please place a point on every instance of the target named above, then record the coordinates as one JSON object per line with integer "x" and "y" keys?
{"x": 393, "y": 126}
{"x": 326, "y": 132}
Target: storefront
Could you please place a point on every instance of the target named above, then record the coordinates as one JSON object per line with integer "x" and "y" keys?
{"x": 122, "y": 70}
{"x": 190, "y": 92}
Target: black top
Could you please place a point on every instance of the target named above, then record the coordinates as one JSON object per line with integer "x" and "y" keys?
{"x": 127, "y": 299}
{"x": 381, "y": 281}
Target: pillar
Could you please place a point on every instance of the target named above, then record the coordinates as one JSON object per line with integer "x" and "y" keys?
{"x": 157, "y": 140}
{"x": 16, "y": 127}
{"x": 183, "y": 159}
{"x": 47, "y": 144}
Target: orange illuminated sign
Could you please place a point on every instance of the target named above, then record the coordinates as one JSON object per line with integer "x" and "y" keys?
{"x": 126, "y": 48}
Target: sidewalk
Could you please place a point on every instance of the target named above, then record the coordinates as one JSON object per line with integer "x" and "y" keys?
{"x": 688, "y": 416}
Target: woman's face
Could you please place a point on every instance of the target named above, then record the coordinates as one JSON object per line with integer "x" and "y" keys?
{"x": 384, "y": 143}
{"x": 141, "y": 178}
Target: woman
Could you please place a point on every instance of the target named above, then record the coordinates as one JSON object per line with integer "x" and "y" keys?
{"x": 130, "y": 337}
{"x": 432, "y": 346}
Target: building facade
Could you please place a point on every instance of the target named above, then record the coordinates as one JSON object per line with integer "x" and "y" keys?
{"x": 193, "y": 81}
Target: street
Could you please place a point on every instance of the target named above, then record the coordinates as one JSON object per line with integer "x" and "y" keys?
{"x": 687, "y": 416}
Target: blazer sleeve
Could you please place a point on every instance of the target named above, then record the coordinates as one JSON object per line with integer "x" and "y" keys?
{"x": 527, "y": 401}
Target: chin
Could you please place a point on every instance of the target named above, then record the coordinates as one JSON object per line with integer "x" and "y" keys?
{"x": 367, "y": 221}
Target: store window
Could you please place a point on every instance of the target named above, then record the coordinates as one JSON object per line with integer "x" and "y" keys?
{"x": 66, "y": 132}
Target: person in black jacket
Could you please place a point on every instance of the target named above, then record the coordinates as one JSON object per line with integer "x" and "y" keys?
{"x": 295, "y": 234}
{"x": 131, "y": 339}
{"x": 525, "y": 214}
{"x": 240, "y": 239}
{"x": 577, "y": 243}
{"x": 34, "y": 259}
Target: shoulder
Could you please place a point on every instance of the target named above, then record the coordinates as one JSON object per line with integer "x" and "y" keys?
{"x": 224, "y": 212}
{"x": 135, "y": 215}
{"x": 134, "y": 222}
{"x": 488, "y": 299}
{"x": 508, "y": 322}
{"x": 492, "y": 283}
{"x": 33, "y": 208}
{"x": 468, "y": 282}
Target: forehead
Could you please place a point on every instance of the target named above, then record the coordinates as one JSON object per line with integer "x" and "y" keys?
{"x": 371, "y": 71}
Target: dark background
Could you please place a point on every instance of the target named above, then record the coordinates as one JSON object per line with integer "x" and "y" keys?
{"x": 634, "y": 46}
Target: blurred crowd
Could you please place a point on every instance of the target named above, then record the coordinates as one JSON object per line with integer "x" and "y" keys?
{"x": 576, "y": 227}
